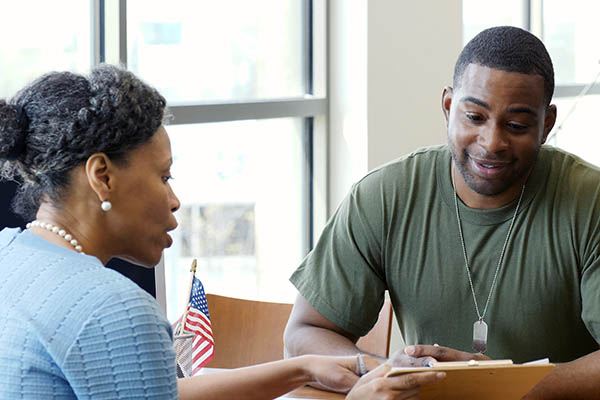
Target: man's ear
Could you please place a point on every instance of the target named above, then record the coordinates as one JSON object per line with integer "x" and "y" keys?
{"x": 447, "y": 102}
{"x": 100, "y": 174}
{"x": 549, "y": 121}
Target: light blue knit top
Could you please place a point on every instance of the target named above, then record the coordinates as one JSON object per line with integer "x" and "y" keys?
{"x": 71, "y": 328}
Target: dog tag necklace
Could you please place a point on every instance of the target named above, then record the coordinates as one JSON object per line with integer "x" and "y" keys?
{"x": 480, "y": 328}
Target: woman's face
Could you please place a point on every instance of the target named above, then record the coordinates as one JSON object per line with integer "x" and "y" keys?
{"x": 144, "y": 203}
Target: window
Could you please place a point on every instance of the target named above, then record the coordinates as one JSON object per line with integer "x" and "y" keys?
{"x": 243, "y": 213}
{"x": 479, "y": 15}
{"x": 245, "y": 85}
{"x": 243, "y": 81}
{"x": 569, "y": 33}
{"x": 25, "y": 54}
{"x": 205, "y": 51}
{"x": 568, "y": 29}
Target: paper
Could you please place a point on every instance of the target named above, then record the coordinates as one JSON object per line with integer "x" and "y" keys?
{"x": 476, "y": 380}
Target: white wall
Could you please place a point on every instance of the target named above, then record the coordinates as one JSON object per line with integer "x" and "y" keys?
{"x": 412, "y": 47}
{"x": 348, "y": 133}
{"x": 388, "y": 63}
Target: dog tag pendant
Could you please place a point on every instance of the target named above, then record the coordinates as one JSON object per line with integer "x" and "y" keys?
{"x": 480, "y": 331}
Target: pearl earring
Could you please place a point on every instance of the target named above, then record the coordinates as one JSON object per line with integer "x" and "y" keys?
{"x": 106, "y": 205}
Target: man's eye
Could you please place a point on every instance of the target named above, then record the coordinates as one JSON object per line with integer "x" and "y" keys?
{"x": 517, "y": 127}
{"x": 474, "y": 117}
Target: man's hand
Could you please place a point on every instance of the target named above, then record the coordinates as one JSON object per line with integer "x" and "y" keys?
{"x": 401, "y": 359}
{"x": 441, "y": 353}
{"x": 375, "y": 385}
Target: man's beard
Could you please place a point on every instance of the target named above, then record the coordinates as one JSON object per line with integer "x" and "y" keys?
{"x": 487, "y": 188}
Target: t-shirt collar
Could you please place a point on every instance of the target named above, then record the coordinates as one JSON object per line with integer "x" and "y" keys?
{"x": 537, "y": 179}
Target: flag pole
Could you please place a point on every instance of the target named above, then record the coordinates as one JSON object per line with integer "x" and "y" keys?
{"x": 189, "y": 296}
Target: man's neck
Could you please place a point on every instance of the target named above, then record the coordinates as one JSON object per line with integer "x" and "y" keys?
{"x": 479, "y": 201}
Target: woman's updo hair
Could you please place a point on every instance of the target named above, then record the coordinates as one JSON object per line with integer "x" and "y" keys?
{"x": 58, "y": 121}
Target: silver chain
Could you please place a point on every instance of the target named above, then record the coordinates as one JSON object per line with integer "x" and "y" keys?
{"x": 462, "y": 242}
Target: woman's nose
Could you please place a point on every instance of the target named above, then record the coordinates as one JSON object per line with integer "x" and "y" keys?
{"x": 175, "y": 204}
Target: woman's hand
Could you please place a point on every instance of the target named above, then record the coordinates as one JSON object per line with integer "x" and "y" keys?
{"x": 336, "y": 374}
{"x": 375, "y": 385}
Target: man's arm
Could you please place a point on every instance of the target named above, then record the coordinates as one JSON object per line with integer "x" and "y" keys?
{"x": 309, "y": 332}
{"x": 578, "y": 379}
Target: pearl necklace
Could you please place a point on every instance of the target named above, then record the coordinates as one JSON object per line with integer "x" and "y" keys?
{"x": 60, "y": 232}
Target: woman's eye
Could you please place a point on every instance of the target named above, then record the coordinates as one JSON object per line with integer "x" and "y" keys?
{"x": 167, "y": 178}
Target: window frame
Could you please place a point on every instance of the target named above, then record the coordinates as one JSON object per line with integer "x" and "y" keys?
{"x": 534, "y": 9}
{"x": 109, "y": 24}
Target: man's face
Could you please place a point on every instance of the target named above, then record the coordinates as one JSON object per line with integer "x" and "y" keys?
{"x": 497, "y": 121}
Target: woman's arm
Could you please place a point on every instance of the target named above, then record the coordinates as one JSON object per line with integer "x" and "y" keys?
{"x": 267, "y": 381}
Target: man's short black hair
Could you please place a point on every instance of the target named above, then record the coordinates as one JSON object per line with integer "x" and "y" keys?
{"x": 509, "y": 49}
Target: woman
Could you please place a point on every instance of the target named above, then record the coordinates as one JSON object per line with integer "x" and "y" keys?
{"x": 95, "y": 162}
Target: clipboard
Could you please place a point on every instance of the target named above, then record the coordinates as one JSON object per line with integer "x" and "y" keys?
{"x": 476, "y": 380}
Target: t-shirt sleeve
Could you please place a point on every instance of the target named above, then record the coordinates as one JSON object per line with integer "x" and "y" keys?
{"x": 584, "y": 187}
{"x": 590, "y": 291}
{"x": 124, "y": 350}
{"x": 343, "y": 278}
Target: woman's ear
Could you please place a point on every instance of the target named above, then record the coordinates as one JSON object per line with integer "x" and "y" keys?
{"x": 100, "y": 175}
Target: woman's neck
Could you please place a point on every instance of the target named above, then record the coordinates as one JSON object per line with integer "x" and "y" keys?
{"x": 79, "y": 228}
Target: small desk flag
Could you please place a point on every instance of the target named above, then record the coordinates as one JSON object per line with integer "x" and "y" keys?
{"x": 197, "y": 321}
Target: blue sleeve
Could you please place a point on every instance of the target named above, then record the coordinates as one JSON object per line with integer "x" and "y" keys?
{"x": 123, "y": 351}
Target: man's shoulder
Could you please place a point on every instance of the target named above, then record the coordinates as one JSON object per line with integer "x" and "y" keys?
{"x": 571, "y": 180}
{"x": 556, "y": 153}
{"x": 569, "y": 166}
{"x": 423, "y": 156}
{"x": 412, "y": 166}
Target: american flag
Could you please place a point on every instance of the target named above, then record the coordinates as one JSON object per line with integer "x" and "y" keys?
{"x": 197, "y": 321}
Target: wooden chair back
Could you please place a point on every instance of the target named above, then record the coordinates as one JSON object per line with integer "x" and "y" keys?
{"x": 377, "y": 341}
{"x": 248, "y": 332}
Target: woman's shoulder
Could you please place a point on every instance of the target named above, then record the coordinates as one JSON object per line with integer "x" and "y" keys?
{"x": 60, "y": 290}
{"x": 33, "y": 265}
{"x": 93, "y": 291}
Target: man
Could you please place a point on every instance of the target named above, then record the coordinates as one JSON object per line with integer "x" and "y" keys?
{"x": 490, "y": 244}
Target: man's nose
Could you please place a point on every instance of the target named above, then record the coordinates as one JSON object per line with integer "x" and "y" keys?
{"x": 493, "y": 138}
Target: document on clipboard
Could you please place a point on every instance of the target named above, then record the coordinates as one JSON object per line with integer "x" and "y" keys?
{"x": 475, "y": 380}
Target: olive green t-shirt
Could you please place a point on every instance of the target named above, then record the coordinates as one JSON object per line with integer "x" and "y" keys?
{"x": 397, "y": 230}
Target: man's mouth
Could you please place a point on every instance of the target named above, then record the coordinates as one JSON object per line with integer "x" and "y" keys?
{"x": 488, "y": 167}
